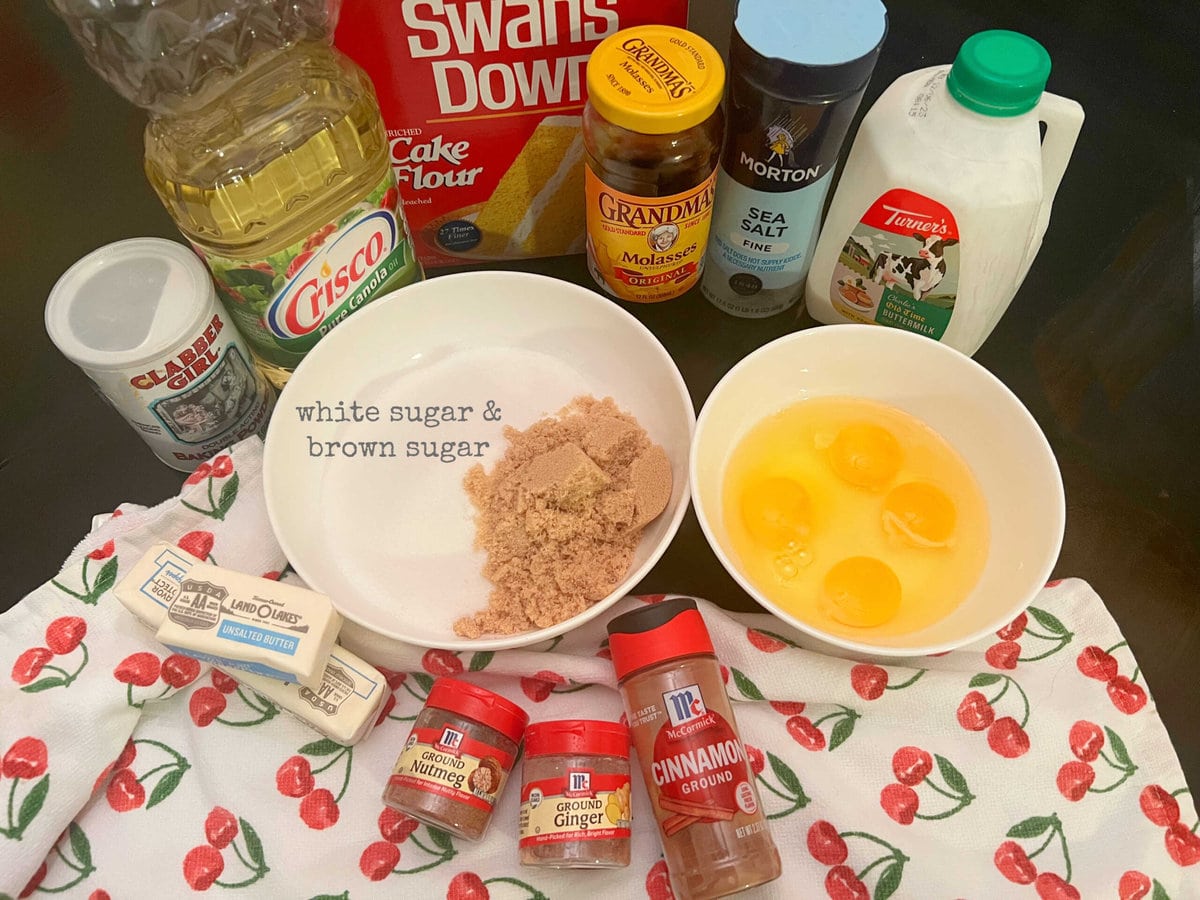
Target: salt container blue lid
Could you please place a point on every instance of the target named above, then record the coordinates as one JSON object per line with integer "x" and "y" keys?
{"x": 808, "y": 48}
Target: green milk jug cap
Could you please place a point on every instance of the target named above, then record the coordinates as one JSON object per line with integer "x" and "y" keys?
{"x": 999, "y": 73}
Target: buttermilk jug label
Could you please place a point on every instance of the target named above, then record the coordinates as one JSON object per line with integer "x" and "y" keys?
{"x": 286, "y": 302}
{"x": 900, "y": 265}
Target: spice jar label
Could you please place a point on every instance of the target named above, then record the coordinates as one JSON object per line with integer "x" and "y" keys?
{"x": 579, "y": 806}
{"x": 899, "y": 266}
{"x": 444, "y": 761}
{"x": 647, "y": 249}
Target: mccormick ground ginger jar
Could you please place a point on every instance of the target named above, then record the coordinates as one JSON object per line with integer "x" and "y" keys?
{"x": 714, "y": 831}
{"x": 457, "y": 758}
{"x": 575, "y": 795}
{"x": 652, "y": 132}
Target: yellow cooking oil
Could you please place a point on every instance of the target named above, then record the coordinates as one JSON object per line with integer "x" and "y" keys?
{"x": 281, "y": 180}
{"x": 855, "y": 517}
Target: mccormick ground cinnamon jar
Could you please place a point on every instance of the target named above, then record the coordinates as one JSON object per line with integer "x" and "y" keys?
{"x": 652, "y": 132}
{"x": 575, "y": 803}
{"x": 457, "y": 758}
{"x": 714, "y": 832}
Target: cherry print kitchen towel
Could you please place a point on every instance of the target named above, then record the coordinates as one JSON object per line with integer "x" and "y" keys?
{"x": 1030, "y": 765}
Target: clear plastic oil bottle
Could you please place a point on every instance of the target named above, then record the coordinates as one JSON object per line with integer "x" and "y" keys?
{"x": 268, "y": 150}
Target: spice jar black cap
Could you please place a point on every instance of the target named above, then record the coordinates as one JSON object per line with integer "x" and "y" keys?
{"x": 656, "y": 633}
{"x": 812, "y": 50}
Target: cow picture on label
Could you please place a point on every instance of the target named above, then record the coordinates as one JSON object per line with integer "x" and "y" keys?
{"x": 900, "y": 265}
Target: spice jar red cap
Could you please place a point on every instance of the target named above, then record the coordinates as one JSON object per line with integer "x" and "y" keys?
{"x": 480, "y": 704}
{"x": 577, "y": 737}
{"x": 656, "y": 633}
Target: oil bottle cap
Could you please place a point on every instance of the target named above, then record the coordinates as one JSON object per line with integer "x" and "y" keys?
{"x": 655, "y": 79}
{"x": 812, "y": 49}
{"x": 656, "y": 633}
{"x": 999, "y": 73}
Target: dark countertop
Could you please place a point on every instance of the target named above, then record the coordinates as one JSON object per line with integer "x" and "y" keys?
{"x": 1100, "y": 343}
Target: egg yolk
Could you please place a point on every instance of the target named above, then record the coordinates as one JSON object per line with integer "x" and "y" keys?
{"x": 861, "y": 592}
{"x": 919, "y": 514}
{"x": 777, "y": 512}
{"x": 866, "y": 455}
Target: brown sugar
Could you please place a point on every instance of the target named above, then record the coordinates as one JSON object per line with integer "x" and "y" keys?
{"x": 560, "y": 516}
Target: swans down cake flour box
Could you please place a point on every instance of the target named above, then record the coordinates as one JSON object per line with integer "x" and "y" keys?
{"x": 482, "y": 100}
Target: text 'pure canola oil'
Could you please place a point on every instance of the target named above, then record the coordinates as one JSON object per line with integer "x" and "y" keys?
{"x": 298, "y": 215}
{"x": 855, "y": 517}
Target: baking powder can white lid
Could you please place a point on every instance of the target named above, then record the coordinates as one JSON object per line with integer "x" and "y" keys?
{"x": 129, "y": 303}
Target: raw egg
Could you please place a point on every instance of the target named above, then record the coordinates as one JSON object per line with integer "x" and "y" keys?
{"x": 855, "y": 517}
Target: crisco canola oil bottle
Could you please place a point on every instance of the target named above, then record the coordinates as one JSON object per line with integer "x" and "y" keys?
{"x": 267, "y": 148}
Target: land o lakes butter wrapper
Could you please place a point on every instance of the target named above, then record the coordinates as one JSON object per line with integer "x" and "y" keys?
{"x": 251, "y": 624}
{"x": 482, "y": 102}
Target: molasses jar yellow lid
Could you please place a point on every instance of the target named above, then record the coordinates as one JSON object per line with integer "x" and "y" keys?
{"x": 655, "y": 79}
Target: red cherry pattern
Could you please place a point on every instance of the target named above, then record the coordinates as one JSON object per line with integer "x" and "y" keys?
{"x": 1101, "y": 665}
{"x": 104, "y": 551}
{"x": 30, "y": 663}
{"x": 842, "y": 884}
{"x": 825, "y": 845}
{"x": 1074, "y": 779}
{"x": 179, "y": 671}
{"x": 805, "y": 733}
{"x": 541, "y": 685}
{"x": 1014, "y": 629}
{"x": 319, "y": 810}
{"x": 26, "y": 758}
{"x": 220, "y": 827}
{"x": 294, "y": 777}
{"x": 222, "y": 466}
{"x": 65, "y": 634}
{"x": 222, "y": 682}
{"x": 1003, "y": 655}
{"x": 1014, "y": 863}
{"x": 441, "y": 663}
{"x": 900, "y": 802}
{"x": 469, "y": 886}
{"x": 395, "y": 826}
{"x": 1125, "y": 695}
{"x": 125, "y": 792}
{"x": 1087, "y": 740}
{"x": 764, "y": 642}
{"x": 1158, "y": 806}
{"x": 1097, "y": 663}
{"x": 757, "y": 761}
{"x": 197, "y": 543}
{"x": 868, "y": 681}
{"x": 34, "y": 882}
{"x": 1052, "y": 887}
{"x": 1134, "y": 885}
{"x": 199, "y": 473}
{"x": 202, "y": 866}
{"x": 378, "y": 859}
{"x": 787, "y": 707}
{"x": 1007, "y": 738}
{"x": 910, "y": 765}
{"x": 138, "y": 669}
{"x": 975, "y": 713}
{"x": 205, "y": 704}
{"x": 1182, "y": 845}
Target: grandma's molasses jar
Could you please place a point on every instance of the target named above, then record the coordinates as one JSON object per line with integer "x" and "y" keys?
{"x": 652, "y": 129}
{"x": 457, "y": 758}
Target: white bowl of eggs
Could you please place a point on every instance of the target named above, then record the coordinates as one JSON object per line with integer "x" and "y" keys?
{"x": 876, "y": 489}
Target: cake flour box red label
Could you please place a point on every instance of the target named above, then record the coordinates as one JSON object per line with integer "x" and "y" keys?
{"x": 482, "y": 101}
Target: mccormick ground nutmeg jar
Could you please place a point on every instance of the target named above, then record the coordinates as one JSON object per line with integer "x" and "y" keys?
{"x": 575, "y": 803}
{"x": 457, "y": 758}
{"x": 714, "y": 832}
{"x": 652, "y": 132}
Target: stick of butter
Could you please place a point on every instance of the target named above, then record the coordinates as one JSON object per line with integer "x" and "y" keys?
{"x": 153, "y": 582}
{"x": 343, "y": 708}
{"x": 251, "y": 624}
